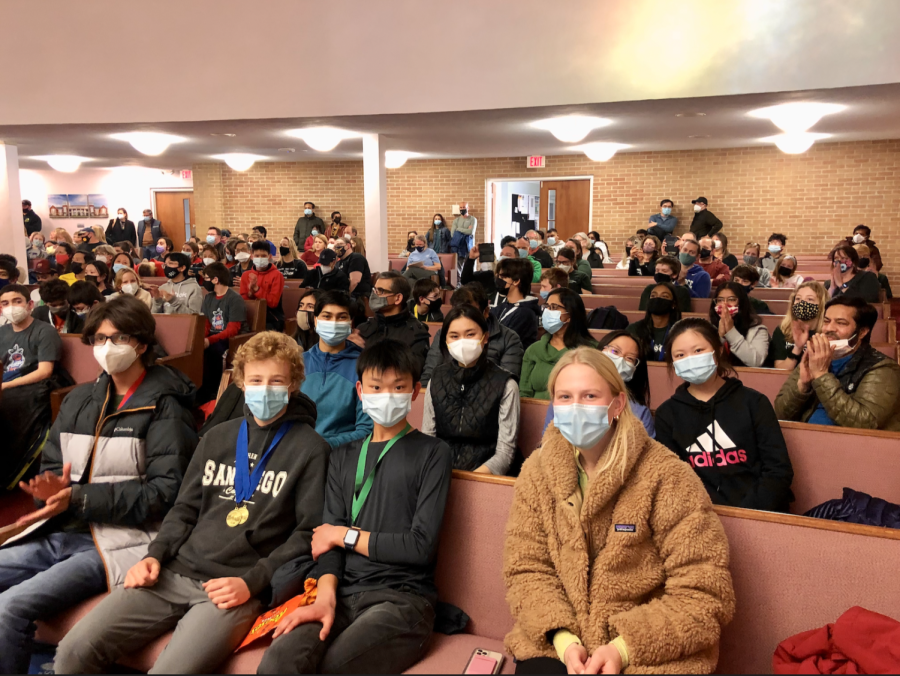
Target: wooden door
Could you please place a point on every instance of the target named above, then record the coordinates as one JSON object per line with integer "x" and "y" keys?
{"x": 566, "y": 206}
{"x": 175, "y": 211}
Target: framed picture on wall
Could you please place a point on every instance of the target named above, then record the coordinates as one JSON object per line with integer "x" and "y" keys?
{"x": 98, "y": 205}
{"x": 78, "y": 206}
{"x": 58, "y": 206}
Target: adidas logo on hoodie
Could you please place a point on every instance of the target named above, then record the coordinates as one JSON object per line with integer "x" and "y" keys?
{"x": 714, "y": 448}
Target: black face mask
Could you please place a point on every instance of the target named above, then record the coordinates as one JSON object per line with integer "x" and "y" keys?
{"x": 85, "y": 240}
{"x": 628, "y": 250}
{"x": 93, "y": 279}
{"x": 748, "y": 289}
{"x": 463, "y": 212}
{"x": 337, "y": 219}
{"x": 863, "y": 263}
{"x": 705, "y": 253}
{"x": 284, "y": 250}
{"x": 77, "y": 268}
{"x": 171, "y": 273}
{"x": 502, "y": 289}
{"x": 659, "y": 306}
{"x": 209, "y": 286}
{"x": 784, "y": 271}
{"x": 662, "y": 278}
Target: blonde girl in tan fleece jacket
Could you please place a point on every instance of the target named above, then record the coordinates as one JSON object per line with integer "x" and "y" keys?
{"x": 614, "y": 559}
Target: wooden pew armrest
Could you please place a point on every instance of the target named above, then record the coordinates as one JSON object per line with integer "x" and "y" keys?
{"x": 290, "y": 327}
{"x": 234, "y": 343}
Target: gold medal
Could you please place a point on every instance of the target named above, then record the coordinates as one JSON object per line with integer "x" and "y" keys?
{"x": 237, "y": 516}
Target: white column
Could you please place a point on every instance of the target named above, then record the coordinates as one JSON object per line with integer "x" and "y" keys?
{"x": 12, "y": 228}
{"x": 375, "y": 189}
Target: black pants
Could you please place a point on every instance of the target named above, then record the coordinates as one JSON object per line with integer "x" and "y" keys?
{"x": 541, "y": 665}
{"x": 374, "y": 632}
{"x": 213, "y": 364}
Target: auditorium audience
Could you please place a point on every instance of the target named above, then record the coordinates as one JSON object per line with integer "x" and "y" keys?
{"x": 663, "y": 223}
{"x": 748, "y": 277}
{"x": 471, "y": 403}
{"x": 83, "y": 296}
{"x": 718, "y": 272}
{"x": 745, "y": 338}
{"x": 376, "y": 597}
{"x": 643, "y": 258}
{"x": 289, "y": 264}
{"x": 577, "y": 280}
{"x": 517, "y": 309}
{"x": 554, "y": 242}
{"x": 389, "y": 301}
{"x": 437, "y": 237}
{"x": 564, "y": 321}
{"x": 306, "y": 335}
{"x": 721, "y": 252}
{"x": 589, "y": 253}
{"x": 625, "y": 261}
{"x": 662, "y": 313}
{"x": 56, "y": 309}
{"x": 752, "y": 258}
{"x": 694, "y": 276}
{"x": 226, "y": 317}
{"x": 326, "y": 275}
{"x": 483, "y": 273}
{"x": 553, "y": 278}
{"x": 847, "y": 280}
{"x": 311, "y": 256}
{"x": 727, "y": 432}
{"x": 425, "y": 304}
{"x": 305, "y": 226}
{"x": 866, "y": 264}
{"x": 786, "y": 275}
{"x": 523, "y": 252}
{"x": 422, "y": 263}
{"x": 266, "y": 283}
{"x": 668, "y": 271}
{"x": 74, "y": 270}
{"x": 351, "y": 262}
{"x": 103, "y": 507}
{"x": 597, "y": 461}
{"x": 243, "y": 262}
{"x": 263, "y": 235}
{"x": 128, "y": 283}
{"x": 861, "y": 235}
{"x": 704, "y": 223}
{"x": 504, "y": 347}
{"x": 537, "y": 250}
{"x": 842, "y": 380}
{"x": 776, "y": 245}
{"x": 120, "y": 229}
{"x": 804, "y": 320}
{"x": 97, "y": 273}
{"x": 180, "y": 294}
{"x": 90, "y": 238}
{"x": 214, "y": 237}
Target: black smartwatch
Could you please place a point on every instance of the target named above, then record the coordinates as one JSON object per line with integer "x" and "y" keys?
{"x": 351, "y": 538}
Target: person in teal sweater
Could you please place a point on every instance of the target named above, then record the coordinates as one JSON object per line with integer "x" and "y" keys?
{"x": 331, "y": 373}
{"x": 564, "y": 321}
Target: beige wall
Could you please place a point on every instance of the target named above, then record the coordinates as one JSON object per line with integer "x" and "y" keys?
{"x": 814, "y": 198}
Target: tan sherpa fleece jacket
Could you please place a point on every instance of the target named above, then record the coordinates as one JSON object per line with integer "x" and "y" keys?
{"x": 665, "y": 587}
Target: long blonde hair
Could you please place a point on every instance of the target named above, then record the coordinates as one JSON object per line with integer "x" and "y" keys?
{"x": 626, "y": 424}
{"x": 291, "y": 246}
{"x": 821, "y": 294}
{"x": 62, "y": 233}
{"x": 99, "y": 233}
{"x": 358, "y": 246}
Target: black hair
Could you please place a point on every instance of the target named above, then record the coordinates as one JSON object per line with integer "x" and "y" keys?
{"x": 170, "y": 245}
{"x": 26, "y": 202}
{"x": 218, "y": 270}
{"x": 310, "y": 204}
{"x": 860, "y": 227}
{"x": 746, "y": 316}
{"x": 470, "y": 294}
{"x": 180, "y": 259}
{"x": 847, "y": 249}
{"x": 20, "y": 289}
{"x": 577, "y": 333}
{"x": 259, "y": 245}
{"x": 710, "y": 334}
{"x": 644, "y": 327}
{"x": 129, "y": 315}
{"x": 506, "y": 240}
{"x": 88, "y": 255}
{"x": 596, "y": 236}
{"x": 423, "y": 287}
{"x": 642, "y": 232}
{"x": 261, "y": 229}
{"x": 778, "y": 236}
{"x": 399, "y": 284}
{"x": 670, "y": 260}
{"x": 389, "y": 355}
{"x": 639, "y": 385}
{"x": 212, "y": 227}
{"x": 333, "y": 213}
{"x": 85, "y": 293}
{"x": 665, "y": 201}
{"x": 744, "y": 271}
{"x": 54, "y": 291}
{"x": 9, "y": 258}
{"x": 540, "y": 233}
{"x": 339, "y": 298}
{"x": 520, "y": 270}
{"x": 10, "y": 268}
{"x": 103, "y": 270}
{"x": 864, "y": 314}
{"x": 465, "y": 312}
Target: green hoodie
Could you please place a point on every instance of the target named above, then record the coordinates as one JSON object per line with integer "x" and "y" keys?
{"x": 539, "y": 360}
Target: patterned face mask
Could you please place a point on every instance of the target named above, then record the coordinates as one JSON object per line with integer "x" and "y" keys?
{"x": 804, "y": 310}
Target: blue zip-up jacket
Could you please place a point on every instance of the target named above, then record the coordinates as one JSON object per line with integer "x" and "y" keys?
{"x": 697, "y": 280}
{"x": 331, "y": 383}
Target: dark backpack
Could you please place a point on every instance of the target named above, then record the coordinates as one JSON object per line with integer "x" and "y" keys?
{"x": 607, "y": 318}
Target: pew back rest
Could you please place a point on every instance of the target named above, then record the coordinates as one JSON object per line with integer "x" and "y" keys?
{"x": 766, "y": 381}
{"x": 182, "y": 336}
{"x": 290, "y": 301}
{"x": 256, "y": 315}
{"x": 78, "y": 359}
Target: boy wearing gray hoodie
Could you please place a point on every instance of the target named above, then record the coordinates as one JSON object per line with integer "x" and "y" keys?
{"x": 181, "y": 295}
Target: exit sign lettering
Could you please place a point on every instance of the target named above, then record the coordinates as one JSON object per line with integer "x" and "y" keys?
{"x": 186, "y": 174}
{"x": 537, "y": 161}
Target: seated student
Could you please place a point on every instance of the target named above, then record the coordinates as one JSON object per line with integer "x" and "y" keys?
{"x": 423, "y": 263}
{"x": 721, "y": 252}
{"x": 536, "y": 249}
{"x": 842, "y": 379}
{"x": 564, "y": 321}
{"x": 164, "y": 247}
{"x": 748, "y": 277}
{"x": 181, "y": 294}
{"x": 310, "y": 257}
{"x": 331, "y": 372}
{"x": 265, "y": 283}
{"x": 483, "y": 272}
{"x": 376, "y": 550}
{"x": 577, "y": 280}
{"x": 718, "y": 272}
{"x": 74, "y": 270}
{"x": 752, "y": 258}
{"x": 745, "y": 338}
{"x": 128, "y": 283}
{"x": 581, "y": 263}
{"x": 661, "y": 315}
{"x": 624, "y": 350}
{"x": 242, "y": 262}
{"x": 518, "y": 310}
{"x": 625, "y": 261}
{"x": 807, "y": 305}
{"x": 589, "y": 255}
{"x": 251, "y": 496}
{"x": 306, "y": 335}
{"x": 326, "y": 276}
{"x": 97, "y": 273}
{"x": 553, "y": 278}
{"x": 846, "y": 278}
{"x": 643, "y": 258}
{"x": 861, "y": 235}
{"x": 597, "y": 461}
{"x": 192, "y": 251}
{"x": 554, "y": 242}
{"x": 786, "y": 275}
{"x": 392, "y": 319}
{"x": 777, "y": 242}
{"x": 425, "y": 304}
{"x": 82, "y": 297}
{"x": 471, "y": 403}
{"x": 226, "y": 316}
{"x": 263, "y": 235}
{"x": 351, "y": 262}
{"x": 729, "y": 433}
{"x": 56, "y": 309}
{"x": 504, "y": 348}
{"x": 44, "y": 271}
{"x": 668, "y": 270}
{"x": 111, "y": 469}
{"x": 523, "y": 252}
{"x": 289, "y": 263}
{"x": 866, "y": 264}
{"x": 692, "y": 274}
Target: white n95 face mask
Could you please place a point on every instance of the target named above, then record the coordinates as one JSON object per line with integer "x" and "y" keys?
{"x": 387, "y": 409}
{"x": 465, "y": 350}
{"x": 16, "y": 314}
{"x": 114, "y": 358}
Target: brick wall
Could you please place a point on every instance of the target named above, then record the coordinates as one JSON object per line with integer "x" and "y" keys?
{"x": 813, "y": 198}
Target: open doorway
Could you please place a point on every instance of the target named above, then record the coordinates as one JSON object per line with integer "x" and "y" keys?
{"x": 519, "y": 205}
{"x": 516, "y": 208}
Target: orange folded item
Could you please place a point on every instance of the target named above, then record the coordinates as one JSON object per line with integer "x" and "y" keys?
{"x": 270, "y": 619}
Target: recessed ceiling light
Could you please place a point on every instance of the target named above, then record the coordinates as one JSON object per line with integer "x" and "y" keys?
{"x": 323, "y": 139}
{"x": 287, "y": 150}
{"x": 228, "y": 135}
{"x": 394, "y": 159}
{"x": 690, "y": 114}
{"x": 797, "y": 117}
{"x": 600, "y": 152}
{"x": 66, "y": 163}
{"x": 699, "y": 136}
{"x": 571, "y": 128}
{"x": 794, "y": 144}
{"x": 149, "y": 142}
{"x": 239, "y": 161}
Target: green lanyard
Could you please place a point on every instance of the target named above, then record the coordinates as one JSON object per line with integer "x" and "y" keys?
{"x": 362, "y": 488}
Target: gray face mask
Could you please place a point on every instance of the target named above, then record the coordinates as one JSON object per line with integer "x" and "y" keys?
{"x": 376, "y": 302}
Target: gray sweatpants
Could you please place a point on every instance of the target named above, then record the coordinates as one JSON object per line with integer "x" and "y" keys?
{"x": 129, "y": 619}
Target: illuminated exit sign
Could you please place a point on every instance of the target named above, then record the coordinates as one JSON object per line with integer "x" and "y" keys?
{"x": 537, "y": 161}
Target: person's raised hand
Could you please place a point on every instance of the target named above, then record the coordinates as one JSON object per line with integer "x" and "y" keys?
{"x": 820, "y": 355}
{"x": 227, "y": 592}
{"x": 46, "y": 485}
{"x": 144, "y": 573}
{"x": 473, "y": 253}
{"x": 575, "y": 658}
{"x": 799, "y": 334}
{"x": 321, "y": 611}
{"x": 804, "y": 379}
{"x": 605, "y": 660}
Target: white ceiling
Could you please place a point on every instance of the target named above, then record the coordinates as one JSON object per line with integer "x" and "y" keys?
{"x": 872, "y": 113}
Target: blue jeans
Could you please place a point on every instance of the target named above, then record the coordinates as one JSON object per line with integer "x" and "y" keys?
{"x": 39, "y": 579}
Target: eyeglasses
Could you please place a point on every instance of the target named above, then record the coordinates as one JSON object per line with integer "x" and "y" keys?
{"x": 116, "y": 338}
{"x": 556, "y": 307}
{"x": 634, "y": 361}
{"x": 729, "y": 299}
{"x": 383, "y": 292}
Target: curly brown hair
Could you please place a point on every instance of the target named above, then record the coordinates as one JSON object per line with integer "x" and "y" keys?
{"x": 269, "y": 345}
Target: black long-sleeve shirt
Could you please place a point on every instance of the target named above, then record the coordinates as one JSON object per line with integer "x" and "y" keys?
{"x": 403, "y": 514}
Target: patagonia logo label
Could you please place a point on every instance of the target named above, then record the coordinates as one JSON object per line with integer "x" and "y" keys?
{"x": 624, "y": 527}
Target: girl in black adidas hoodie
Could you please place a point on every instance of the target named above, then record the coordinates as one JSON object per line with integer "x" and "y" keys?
{"x": 727, "y": 432}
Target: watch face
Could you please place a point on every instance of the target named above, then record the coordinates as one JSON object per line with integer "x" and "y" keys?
{"x": 351, "y": 537}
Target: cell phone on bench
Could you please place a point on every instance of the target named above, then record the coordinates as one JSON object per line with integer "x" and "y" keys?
{"x": 484, "y": 662}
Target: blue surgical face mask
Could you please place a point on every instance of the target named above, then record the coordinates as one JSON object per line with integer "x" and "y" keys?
{"x": 307, "y": 212}
{"x": 266, "y": 401}
{"x": 210, "y": 239}
{"x": 667, "y": 211}
{"x": 545, "y": 295}
{"x": 625, "y": 369}
{"x": 437, "y": 223}
{"x": 551, "y": 241}
{"x": 696, "y": 369}
{"x": 314, "y": 232}
{"x": 582, "y": 426}
{"x": 333, "y": 333}
{"x": 118, "y": 267}
{"x": 387, "y": 409}
{"x": 774, "y": 248}
{"x": 534, "y": 243}
{"x": 552, "y": 321}
{"x": 523, "y": 253}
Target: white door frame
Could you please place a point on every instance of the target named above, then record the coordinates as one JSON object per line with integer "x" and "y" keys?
{"x": 489, "y": 210}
